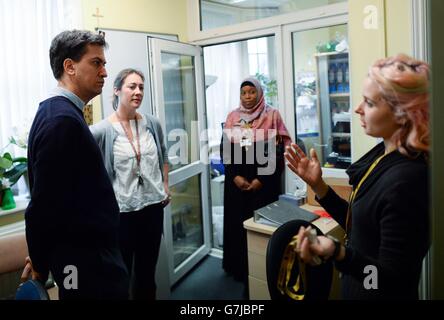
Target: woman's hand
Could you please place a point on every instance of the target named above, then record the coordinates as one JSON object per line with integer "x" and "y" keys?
{"x": 323, "y": 247}
{"x": 167, "y": 200}
{"x": 307, "y": 169}
{"x": 29, "y": 271}
{"x": 241, "y": 183}
{"x": 255, "y": 185}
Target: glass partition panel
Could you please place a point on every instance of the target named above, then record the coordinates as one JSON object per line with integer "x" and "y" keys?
{"x": 226, "y": 65}
{"x": 322, "y": 93}
{"x": 186, "y": 214}
{"x": 180, "y": 106}
{"x": 220, "y": 13}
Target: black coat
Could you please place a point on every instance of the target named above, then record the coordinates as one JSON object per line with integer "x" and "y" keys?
{"x": 240, "y": 205}
{"x": 389, "y": 225}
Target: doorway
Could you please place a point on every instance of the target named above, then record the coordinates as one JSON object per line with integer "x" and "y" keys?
{"x": 226, "y": 65}
{"x": 177, "y": 98}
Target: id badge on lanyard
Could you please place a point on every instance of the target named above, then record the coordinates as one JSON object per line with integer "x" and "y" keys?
{"x": 245, "y": 142}
{"x": 247, "y": 135}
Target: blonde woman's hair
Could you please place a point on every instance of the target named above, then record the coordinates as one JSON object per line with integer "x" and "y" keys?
{"x": 407, "y": 93}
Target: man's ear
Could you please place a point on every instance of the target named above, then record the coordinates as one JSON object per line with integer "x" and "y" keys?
{"x": 69, "y": 66}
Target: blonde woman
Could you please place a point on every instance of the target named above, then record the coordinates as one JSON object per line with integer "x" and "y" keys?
{"x": 386, "y": 219}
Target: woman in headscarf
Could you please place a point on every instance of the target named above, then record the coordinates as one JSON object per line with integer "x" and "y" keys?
{"x": 252, "y": 149}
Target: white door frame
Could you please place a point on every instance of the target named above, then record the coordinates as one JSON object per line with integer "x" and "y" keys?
{"x": 198, "y": 165}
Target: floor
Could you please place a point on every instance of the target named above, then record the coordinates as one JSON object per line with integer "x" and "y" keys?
{"x": 208, "y": 281}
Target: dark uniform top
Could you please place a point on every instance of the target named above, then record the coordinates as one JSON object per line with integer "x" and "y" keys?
{"x": 389, "y": 226}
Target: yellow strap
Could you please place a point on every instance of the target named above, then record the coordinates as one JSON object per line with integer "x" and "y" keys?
{"x": 370, "y": 169}
{"x": 297, "y": 291}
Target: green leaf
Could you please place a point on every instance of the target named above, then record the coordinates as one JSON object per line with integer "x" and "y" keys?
{"x": 20, "y": 160}
{"x": 15, "y": 173}
{"x": 8, "y": 156}
{"x": 5, "y": 162}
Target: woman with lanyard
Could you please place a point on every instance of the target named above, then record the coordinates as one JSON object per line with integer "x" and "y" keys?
{"x": 386, "y": 219}
{"x": 135, "y": 157}
{"x": 252, "y": 151}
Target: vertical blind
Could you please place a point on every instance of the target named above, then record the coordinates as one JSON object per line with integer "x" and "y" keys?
{"x": 26, "y": 30}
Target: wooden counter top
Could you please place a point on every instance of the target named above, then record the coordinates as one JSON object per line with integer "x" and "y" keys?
{"x": 326, "y": 225}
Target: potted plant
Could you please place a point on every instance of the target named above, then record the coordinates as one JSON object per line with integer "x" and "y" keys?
{"x": 11, "y": 169}
{"x": 270, "y": 88}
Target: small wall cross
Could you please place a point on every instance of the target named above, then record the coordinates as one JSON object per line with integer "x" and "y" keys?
{"x": 98, "y": 16}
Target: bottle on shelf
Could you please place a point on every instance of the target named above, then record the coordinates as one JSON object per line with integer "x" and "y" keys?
{"x": 340, "y": 79}
{"x": 346, "y": 79}
{"x": 332, "y": 78}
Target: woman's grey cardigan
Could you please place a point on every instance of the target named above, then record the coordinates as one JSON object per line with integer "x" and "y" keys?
{"x": 105, "y": 135}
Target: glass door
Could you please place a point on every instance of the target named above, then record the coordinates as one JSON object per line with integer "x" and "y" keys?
{"x": 322, "y": 93}
{"x": 177, "y": 100}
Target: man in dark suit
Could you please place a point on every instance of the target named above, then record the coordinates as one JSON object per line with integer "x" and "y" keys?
{"x": 72, "y": 218}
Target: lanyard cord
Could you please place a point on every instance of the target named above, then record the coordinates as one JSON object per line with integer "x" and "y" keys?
{"x": 130, "y": 141}
{"x": 354, "y": 192}
{"x": 137, "y": 153}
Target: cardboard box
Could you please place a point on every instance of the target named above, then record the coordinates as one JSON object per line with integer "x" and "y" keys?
{"x": 339, "y": 185}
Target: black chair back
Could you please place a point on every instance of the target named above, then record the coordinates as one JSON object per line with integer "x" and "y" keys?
{"x": 318, "y": 278}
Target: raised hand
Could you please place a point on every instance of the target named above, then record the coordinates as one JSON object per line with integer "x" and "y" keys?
{"x": 307, "y": 169}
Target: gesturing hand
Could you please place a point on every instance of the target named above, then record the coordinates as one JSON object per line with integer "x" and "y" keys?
{"x": 307, "y": 169}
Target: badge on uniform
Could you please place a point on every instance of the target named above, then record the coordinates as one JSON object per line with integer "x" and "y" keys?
{"x": 245, "y": 142}
{"x": 247, "y": 136}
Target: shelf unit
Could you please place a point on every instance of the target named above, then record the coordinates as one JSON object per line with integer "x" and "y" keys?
{"x": 334, "y": 111}
{"x": 339, "y": 95}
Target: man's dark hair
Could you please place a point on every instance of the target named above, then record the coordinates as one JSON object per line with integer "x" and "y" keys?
{"x": 71, "y": 45}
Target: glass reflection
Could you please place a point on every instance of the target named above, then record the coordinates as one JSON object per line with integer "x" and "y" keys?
{"x": 322, "y": 93}
{"x": 180, "y": 107}
{"x": 186, "y": 216}
{"x": 220, "y": 13}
